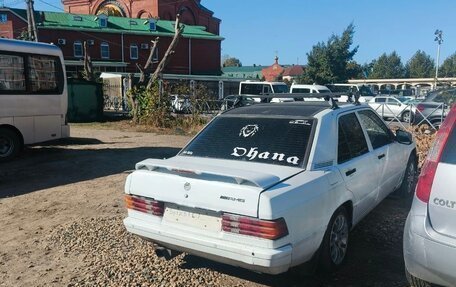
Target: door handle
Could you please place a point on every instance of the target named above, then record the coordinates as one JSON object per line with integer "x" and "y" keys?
{"x": 350, "y": 172}
{"x": 381, "y": 156}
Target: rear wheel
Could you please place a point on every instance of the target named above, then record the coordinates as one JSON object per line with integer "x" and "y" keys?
{"x": 405, "y": 117}
{"x": 10, "y": 144}
{"x": 335, "y": 241}
{"x": 416, "y": 282}
{"x": 407, "y": 187}
{"x": 437, "y": 124}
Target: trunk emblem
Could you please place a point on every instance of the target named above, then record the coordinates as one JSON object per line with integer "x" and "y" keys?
{"x": 187, "y": 186}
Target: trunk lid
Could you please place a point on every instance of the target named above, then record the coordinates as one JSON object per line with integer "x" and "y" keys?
{"x": 212, "y": 184}
{"x": 442, "y": 201}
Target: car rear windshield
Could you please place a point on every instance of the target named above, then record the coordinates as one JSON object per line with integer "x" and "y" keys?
{"x": 449, "y": 153}
{"x": 280, "y": 141}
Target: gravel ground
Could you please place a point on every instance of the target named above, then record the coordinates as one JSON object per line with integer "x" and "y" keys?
{"x": 61, "y": 215}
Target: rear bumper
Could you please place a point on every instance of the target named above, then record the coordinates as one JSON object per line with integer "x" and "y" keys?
{"x": 271, "y": 261}
{"x": 65, "y": 131}
{"x": 428, "y": 255}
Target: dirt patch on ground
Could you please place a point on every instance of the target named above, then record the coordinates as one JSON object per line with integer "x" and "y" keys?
{"x": 61, "y": 216}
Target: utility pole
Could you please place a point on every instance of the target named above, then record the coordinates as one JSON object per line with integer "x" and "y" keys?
{"x": 31, "y": 24}
{"x": 439, "y": 39}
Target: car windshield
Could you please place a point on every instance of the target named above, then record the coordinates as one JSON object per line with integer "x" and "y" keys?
{"x": 324, "y": 91}
{"x": 279, "y": 141}
{"x": 365, "y": 91}
{"x": 446, "y": 96}
{"x": 402, "y": 99}
{"x": 280, "y": 89}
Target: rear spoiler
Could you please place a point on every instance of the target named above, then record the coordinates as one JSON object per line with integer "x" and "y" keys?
{"x": 241, "y": 177}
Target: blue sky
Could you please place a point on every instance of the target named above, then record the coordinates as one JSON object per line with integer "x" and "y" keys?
{"x": 255, "y": 29}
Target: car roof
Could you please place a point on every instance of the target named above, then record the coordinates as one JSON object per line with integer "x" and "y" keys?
{"x": 309, "y": 86}
{"x": 301, "y": 109}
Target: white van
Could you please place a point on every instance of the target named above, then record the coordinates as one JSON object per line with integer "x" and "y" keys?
{"x": 33, "y": 95}
{"x": 264, "y": 88}
{"x": 364, "y": 91}
{"x": 308, "y": 89}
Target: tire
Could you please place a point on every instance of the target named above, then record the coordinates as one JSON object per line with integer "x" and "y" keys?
{"x": 407, "y": 188}
{"x": 436, "y": 124}
{"x": 10, "y": 144}
{"x": 405, "y": 117}
{"x": 335, "y": 242}
{"x": 416, "y": 282}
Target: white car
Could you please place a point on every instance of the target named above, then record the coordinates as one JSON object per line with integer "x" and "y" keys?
{"x": 430, "y": 229}
{"x": 270, "y": 186}
{"x": 308, "y": 89}
{"x": 392, "y": 107}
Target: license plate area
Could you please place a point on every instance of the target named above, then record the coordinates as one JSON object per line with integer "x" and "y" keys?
{"x": 198, "y": 218}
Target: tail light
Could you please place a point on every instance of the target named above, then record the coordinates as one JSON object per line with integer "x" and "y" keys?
{"x": 426, "y": 178}
{"x": 420, "y": 107}
{"x": 144, "y": 204}
{"x": 268, "y": 229}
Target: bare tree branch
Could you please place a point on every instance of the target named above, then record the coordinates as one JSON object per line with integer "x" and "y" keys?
{"x": 178, "y": 29}
{"x": 147, "y": 67}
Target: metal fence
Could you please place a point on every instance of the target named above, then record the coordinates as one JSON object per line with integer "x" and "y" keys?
{"x": 414, "y": 115}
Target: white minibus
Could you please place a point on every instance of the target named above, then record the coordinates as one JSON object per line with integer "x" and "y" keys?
{"x": 33, "y": 95}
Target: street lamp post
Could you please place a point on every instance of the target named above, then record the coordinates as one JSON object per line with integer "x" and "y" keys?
{"x": 439, "y": 40}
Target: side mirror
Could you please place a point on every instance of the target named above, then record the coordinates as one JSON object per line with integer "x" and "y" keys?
{"x": 404, "y": 137}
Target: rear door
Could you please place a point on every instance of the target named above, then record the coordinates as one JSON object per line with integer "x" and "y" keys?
{"x": 442, "y": 203}
{"x": 356, "y": 164}
{"x": 389, "y": 156}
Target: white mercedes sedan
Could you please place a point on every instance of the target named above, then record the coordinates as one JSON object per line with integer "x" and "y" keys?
{"x": 270, "y": 186}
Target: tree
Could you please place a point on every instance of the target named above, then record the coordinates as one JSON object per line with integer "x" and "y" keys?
{"x": 330, "y": 62}
{"x": 388, "y": 67}
{"x": 448, "y": 68}
{"x": 420, "y": 66}
{"x": 232, "y": 62}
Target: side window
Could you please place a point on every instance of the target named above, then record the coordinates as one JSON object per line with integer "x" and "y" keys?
{"x": 44, "y": 74}
{"x": 12, "y": 76}
{"x": 380, "y": 100}
{"x": 392, "y": 101}
{"x": 266, "y": 89}
{"x": 351, "y": 142}
{"x": 300, "y": 90}
{"x": 376, "y": 129}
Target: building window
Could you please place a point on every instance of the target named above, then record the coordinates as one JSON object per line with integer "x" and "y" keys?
{"x": 103, "y": 23}
{"x": 152, "y": 24}
{"x": 103, "y": 20}
{"x": 3, "y": 18}
{"x": 104, "y": 50}
{"x": 77, "y": 49}
{"x": 155, "y": 56}
{"x": 133, "y": 51}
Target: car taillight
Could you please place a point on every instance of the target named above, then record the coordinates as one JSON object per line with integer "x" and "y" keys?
{"x": 426, "y": 178}
{"x": 268, "y": 229}
{"x": 144, "y": 204}
{"x": 420, "y": 107}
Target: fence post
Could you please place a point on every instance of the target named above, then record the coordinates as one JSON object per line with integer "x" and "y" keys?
{"x": 221, "y": 89}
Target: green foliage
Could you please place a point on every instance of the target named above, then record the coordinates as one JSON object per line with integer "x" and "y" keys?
{"x": 420, "y": 66}
{"x": 232, "y": 62}
{"x": 151, "y": 108}
{"x": 448, "y": 68}
{"x": 388, "y": 67}
{"x": 331, "y": 62}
